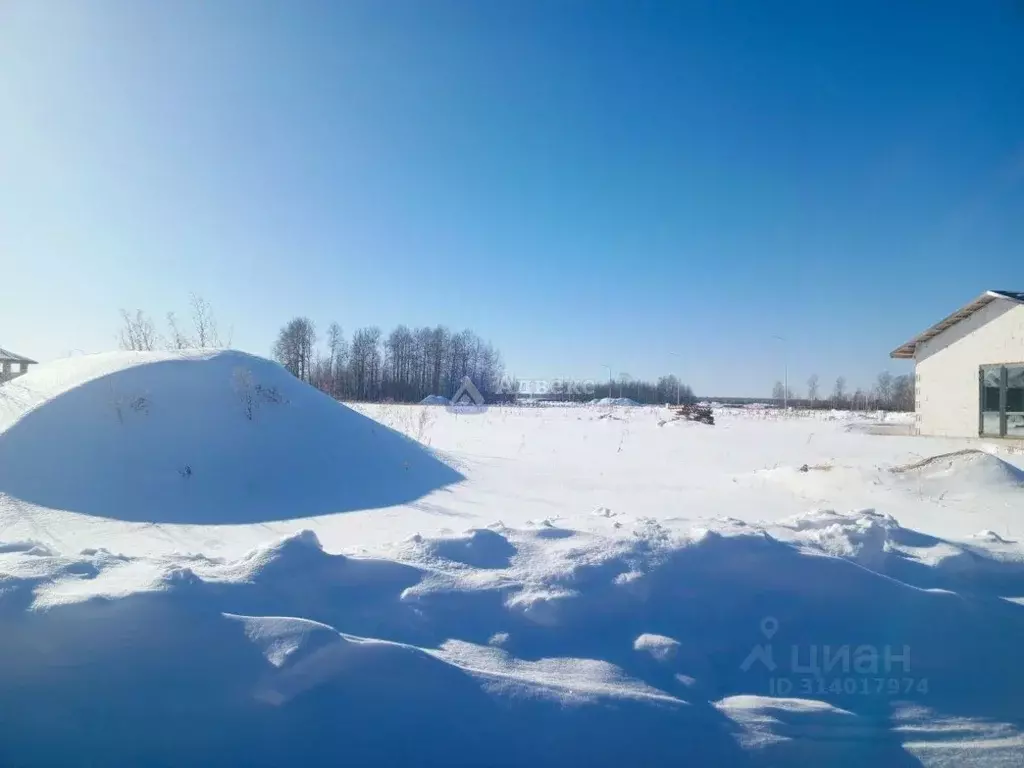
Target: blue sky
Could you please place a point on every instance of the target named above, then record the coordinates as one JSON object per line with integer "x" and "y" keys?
{"x": 582, "y": 183}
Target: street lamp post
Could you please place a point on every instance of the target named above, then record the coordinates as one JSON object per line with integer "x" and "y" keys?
{"x": 609, "y": 379}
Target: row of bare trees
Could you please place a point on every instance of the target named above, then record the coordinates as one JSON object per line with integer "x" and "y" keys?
{"x": 667, "y": 389}
{"x": 411, "y": 363}
{"x": 406, "y": 365}
{"x": 138, "y": 331}
{"x": 889, "y": 393}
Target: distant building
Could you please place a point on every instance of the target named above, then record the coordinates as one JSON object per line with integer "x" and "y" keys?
{"x": 969, "y": 370}
{"x": 7, "y": 362}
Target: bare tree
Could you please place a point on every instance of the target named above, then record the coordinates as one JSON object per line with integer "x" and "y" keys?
{"x": 294, "y": 347}
{"x": 839, "y": 392}
{"x": 334, "y": 340}
{"x": 138, "y": 332}
{"x": 321, "y": 375}
{"x": 669, "y": 389}
{"x": 860, "y": 398}
{"x": 624, "y": 380}
{"x": 204, "y": 322}
{"x": 177, "y": 338}
{"x": 812, "y": 388}
{"x": 398, "y": 362}
{"x": 903, "y": 393}
{"x": 337, "y": 349}
{"x": 883, "y": 389}
{"x": 779, "y": 392}
{"x": 365, "y": 362}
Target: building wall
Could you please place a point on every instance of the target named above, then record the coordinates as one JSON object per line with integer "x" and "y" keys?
{"x": 946, "y": 369}
{"x": 10, "y": 371}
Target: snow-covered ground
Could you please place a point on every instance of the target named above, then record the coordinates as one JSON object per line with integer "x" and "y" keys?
{"x": 204, "y": 561}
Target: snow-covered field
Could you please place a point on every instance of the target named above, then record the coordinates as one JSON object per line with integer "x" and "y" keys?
{"x": 205, "y": 562}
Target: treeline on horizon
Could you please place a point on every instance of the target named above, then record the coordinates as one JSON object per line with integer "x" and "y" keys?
{"x": 406, "y": 365}
{"x": 889, "y": 393}
{"x": 409, "y": 364}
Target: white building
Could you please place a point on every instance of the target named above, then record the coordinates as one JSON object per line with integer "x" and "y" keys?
{"x": 969, "y": 370}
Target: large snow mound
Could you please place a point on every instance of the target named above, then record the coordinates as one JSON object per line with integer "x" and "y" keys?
{"x": 198, "y": 437}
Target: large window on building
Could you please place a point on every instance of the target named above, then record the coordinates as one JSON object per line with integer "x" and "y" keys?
{"x": 1001, "y": 400}
{"x": 991, "y": 417}
{"x": 1015, "y": 401}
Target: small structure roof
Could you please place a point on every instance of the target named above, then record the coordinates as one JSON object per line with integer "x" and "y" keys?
{"x": 6, "y": 356}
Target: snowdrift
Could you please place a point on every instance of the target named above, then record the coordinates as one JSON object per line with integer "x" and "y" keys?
{"x": 615, "y": 618}
{"x": 435, "y": 400}
{"x": 964, "y": 472}
{"x": 220, "y": 437}
{"x": 510, "y": 647}
{"x": 615, "y": 401}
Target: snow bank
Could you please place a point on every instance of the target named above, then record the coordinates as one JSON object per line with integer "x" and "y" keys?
{"x": 615, "y": 401}
{"x": 435, "y": 400}
{"x": 864, "y": 537}
{"x": 682, "y": 628}
{"x": 511, "y": 647}
{"x": 220, "y": 437}
{"x": 968, "y": 471}
{"x": 658, "y": 646}
{"x": 481, "y": 548}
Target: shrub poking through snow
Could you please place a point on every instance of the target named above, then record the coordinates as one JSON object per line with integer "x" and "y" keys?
{"x": 702, "y": 414}
{"x": 253, "y": 394}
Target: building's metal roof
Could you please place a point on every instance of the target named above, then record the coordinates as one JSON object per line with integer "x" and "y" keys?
{"x": 907, "y": 351}
{"x": 6, "y": 356}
